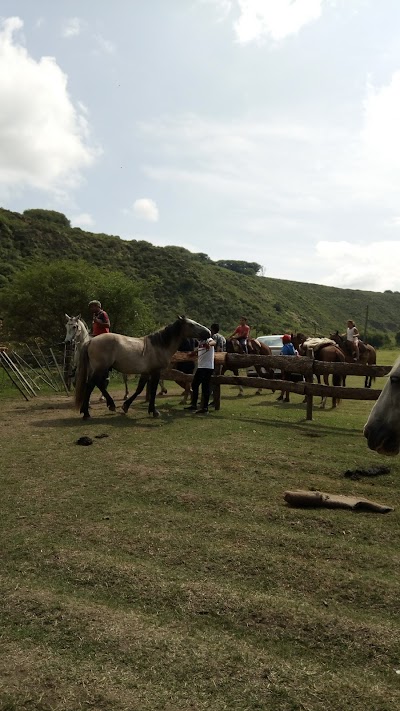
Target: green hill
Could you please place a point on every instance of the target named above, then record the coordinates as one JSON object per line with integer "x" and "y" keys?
{"x": 179, "y": 281}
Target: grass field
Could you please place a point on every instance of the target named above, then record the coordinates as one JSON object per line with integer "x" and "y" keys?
{"x": 160, "y": 568}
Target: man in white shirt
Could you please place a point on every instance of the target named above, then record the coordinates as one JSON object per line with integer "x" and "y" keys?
{"x": 202, "y": 376}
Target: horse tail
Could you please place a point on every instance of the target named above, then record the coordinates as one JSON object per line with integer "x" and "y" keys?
{"x": 81, "y": 380}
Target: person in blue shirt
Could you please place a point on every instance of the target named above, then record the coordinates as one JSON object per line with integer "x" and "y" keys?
{"x": 287, "y": 349}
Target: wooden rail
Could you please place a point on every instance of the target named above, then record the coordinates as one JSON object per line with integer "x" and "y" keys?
{"x": 308, "y": 367}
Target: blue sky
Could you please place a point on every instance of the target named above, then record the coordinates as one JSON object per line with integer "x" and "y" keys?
{"x": 265, "y": 130}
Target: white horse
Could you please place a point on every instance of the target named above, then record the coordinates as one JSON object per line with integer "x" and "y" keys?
{"x": 78, "y": 335}
{"x": 382, "y": 429}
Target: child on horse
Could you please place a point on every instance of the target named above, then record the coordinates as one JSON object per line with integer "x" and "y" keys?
{"x": 352, "y": 335}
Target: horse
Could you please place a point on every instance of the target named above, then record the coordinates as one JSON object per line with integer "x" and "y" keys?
{"x": 145, "y": 356}
{"x": 366, "y": 351}
{"x": 382, "y": 429}
{"x": 254, "y": 347}
{"x": 78, "y": 335}
{"x": 328, "y": 353}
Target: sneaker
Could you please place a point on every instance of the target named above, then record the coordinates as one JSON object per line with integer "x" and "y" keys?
{"x": 191, "y": 407}
{"x": 201, "y": 412}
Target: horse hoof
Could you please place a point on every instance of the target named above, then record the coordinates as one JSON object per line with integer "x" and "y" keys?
{"x": 112, "y": 408}
{"x": 125, "y": 408}
{"x": 86, "y": 417}
{"x": 126, "y": 397}
{"x": 240, "y": 394}
{"x": 156, "y": 413}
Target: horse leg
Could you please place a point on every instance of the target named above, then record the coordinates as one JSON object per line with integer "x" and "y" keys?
{"x": 163, "y": 389}
{"x": 186, "y": 394}
{"x": 141, "y": 384}
{"x": 154, "y": 379}
{"x": 102, "y": 385}
{"x": 324, "y": 397}
{"x": 106, "y": 383}
{"x": 241, "y": 391}
{"x": 260, "y": 374}
{"x": 90, "y": 385}
{"x": 125, "y": 379}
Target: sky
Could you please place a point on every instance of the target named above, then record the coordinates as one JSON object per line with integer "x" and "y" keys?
{"x": 262, "y": 130}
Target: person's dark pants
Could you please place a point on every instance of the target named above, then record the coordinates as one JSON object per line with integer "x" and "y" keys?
{"x": 243, "y": 343}
{"x": 202, "y": 377}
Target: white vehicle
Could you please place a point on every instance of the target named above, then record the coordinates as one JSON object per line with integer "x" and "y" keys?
{"x": 274, "y": 342}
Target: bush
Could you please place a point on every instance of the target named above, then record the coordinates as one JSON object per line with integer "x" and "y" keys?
{"x": 36, "y": 299}
{"x": 57, "y": 218}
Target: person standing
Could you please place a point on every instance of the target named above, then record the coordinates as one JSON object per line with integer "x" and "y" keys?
{"x": 287, "y": 349}
{"x": 100, "y": 320}
{"x": 202, "y": 376}
{"x": 352, "y": 335}
{"x": 220, "y": 347}
{"x": 220, "y": 340}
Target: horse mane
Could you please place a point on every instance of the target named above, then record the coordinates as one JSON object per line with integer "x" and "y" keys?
{"x": 164, "y": 336}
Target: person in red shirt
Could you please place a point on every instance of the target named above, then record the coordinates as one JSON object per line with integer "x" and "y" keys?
{"x": 241, "y": 333}
{"x": 100, "y": 320}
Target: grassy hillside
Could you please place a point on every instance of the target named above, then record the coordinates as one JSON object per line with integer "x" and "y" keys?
{"x": 183, "y": 282}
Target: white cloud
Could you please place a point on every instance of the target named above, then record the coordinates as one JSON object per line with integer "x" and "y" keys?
{"x": 83, "y": 220}
{"x": 275, "y": 19}
{"x": 145, "y": 209}
{"x": 105, "y": 45}
{"x": 43, "y": 137}
{"x": 371, "y": 267}
{"x": 72, "y": 27}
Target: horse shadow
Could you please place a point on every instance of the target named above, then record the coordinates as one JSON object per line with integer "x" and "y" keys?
{"x": 118, "y": 420}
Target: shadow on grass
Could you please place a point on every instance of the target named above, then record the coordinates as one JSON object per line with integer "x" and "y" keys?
{"x": 137, "y": 417}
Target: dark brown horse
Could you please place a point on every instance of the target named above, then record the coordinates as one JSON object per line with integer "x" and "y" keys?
{"x": 327, "y": 354}
{"x": 254, "y": 347}
{"x": 366, "y": 351}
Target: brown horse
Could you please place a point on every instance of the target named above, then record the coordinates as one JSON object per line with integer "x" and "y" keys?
{"x": 254, "y": 347}
{"x": 367, "y": 354}
{"x": 327, "y": 354}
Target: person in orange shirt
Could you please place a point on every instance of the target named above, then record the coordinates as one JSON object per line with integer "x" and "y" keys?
{"x": 241, "y": 333}
{"x": 100, "y": 320}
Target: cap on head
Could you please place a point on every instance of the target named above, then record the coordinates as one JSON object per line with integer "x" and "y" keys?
{"x": 95, "y": 303}
{"x": 286, "y": 338}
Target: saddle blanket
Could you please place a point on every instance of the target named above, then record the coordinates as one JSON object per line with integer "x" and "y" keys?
{"x": 317, "y": 343}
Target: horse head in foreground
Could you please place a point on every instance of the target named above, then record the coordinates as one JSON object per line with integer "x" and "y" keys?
{"x": 146, "y": 356}
{"x": 382, "y": 429}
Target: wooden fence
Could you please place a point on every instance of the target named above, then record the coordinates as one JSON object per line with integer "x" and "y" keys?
{"x": 307, "y": 367}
